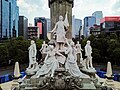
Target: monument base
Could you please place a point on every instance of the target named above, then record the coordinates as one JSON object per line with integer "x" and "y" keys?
{"x": 61, "y": 81}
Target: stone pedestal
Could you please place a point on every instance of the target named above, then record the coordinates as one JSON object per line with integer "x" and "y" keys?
{"x": 109, "y": 83}
{"x": 15, "y": 84}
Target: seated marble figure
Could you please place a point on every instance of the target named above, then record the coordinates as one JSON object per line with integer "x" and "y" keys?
{"x": 50, "y": 63}
{"x": 71, "y": 64}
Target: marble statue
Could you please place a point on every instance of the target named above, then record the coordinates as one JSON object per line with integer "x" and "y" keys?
{"x": 71, "y": 64}
{"x": 60, "y": 27}
{"x": 88, "y": 52}
{"x": 50, "y": 63}
{"x": 74, "y": 52}
{"x": 43, "y": 49}
{"x": 79, "y": 53}
{"x": 33, "y": 65}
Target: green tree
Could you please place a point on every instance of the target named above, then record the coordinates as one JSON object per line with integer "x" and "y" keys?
{"x": 116, "y": 54}
{"x": 96, "y": 55}
{"x": 3, "y": 55}
{"x": 112, "y": 50}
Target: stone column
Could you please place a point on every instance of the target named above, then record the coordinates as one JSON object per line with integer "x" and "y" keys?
{"x": 60, "y": 7}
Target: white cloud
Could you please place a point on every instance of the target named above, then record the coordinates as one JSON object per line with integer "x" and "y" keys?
{"x": 32, "y": 9}
{"x": 82, "y": 8}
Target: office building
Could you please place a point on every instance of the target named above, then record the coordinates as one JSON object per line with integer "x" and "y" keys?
{"x": 33, "y": 32}
{"x": 98, "y": 16}
{"x": 0, "y": 20}
{"x": 48, "y": 24}
{"x": 95, "y": 30}
{"x": 89, "y": 21}
{"x": 110, "y": 24}
{"x": 76, "y": 27}
{"x": 41, "y": 22}
{"x": 23, "y": 27}
{"x": 5, "y": 18}
{"x": 9, "y": 15}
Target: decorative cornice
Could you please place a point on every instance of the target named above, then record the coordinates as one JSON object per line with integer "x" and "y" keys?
{"x": 52, "y": 1}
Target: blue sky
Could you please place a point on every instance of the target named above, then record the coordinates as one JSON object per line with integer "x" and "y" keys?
{"x": 82, "y": 8}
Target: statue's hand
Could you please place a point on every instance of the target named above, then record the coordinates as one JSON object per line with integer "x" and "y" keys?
{"x": 40, "y": 50}
{"x": 65, "y": 39}
{"x": 66, "y": 12}
{"x": 29, "y": 48}
{"x": 51, "y": 31}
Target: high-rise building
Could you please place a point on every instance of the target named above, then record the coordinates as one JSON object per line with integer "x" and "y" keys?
{"x": 76, "y": 27}
{"x": 23, "y": 27}
{"x": 98, "y": 15}
{"x": 41, "y": 22}
{"x": 110, "y": 24}
{"x": 48, "y": 25}
{"x": 0, "y": 19}
{"x": 33, "y": 32}
{"x": 9, "y": 15}
{"x": 89, "y": 21}
{"x": 4, "y": 18}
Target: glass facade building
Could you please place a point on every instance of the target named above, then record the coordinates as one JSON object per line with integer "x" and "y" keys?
{"x": 41, "y": 22}
{"x": 48, "y": 25}
{"x": 88, "y": 22}
{"x": 5, "y": 18}
{"x": 0, "y": 19}
{"x": 98, "y": 15}
{"x": 9, "y": 18}
{"x": 23, "y": 27}
{"x": 76, "y": 27}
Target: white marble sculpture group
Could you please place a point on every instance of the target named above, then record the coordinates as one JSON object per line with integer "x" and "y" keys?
{"x": 63, "y": 52}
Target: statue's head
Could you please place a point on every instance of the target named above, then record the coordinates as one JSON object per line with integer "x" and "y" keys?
{"x": 43, "y": 42}
{"x": 51, "y": 47}
{"x": 77, "y": 42}
{"x": 72, "y": 44}
{"x": 61, "y": 18}
{"x": 32, "y": 42}
{"x": 88, "y": 42}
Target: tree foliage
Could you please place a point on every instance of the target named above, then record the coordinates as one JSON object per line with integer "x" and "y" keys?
{"x": 105, "y": 48}
{"x": 15, "y": 50}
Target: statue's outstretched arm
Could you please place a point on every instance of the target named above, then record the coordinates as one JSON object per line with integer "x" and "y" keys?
{"x": 41, "y": 48}
{"x": 35, "y": 51}
{"x": 60, "y": 54}
{"x": 67, "y": 50}
{"x": 54, "y": 28}
{"x": 46, "y": 58}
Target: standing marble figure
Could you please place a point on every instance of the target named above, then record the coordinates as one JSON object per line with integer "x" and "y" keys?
{"x": 88, "y": 52}
{"x": 50, "y": 63}
{"x": 43, "y": 49}
{"x": 32, "y": 54}
{"x": 71, "y": 64}
{"x": 60, "y": 31}
{"x": 79, "y": 53}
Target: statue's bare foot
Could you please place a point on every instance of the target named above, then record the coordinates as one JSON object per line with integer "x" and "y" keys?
{"x": 52, "y": 75}
{"x": 35, "y": 76}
